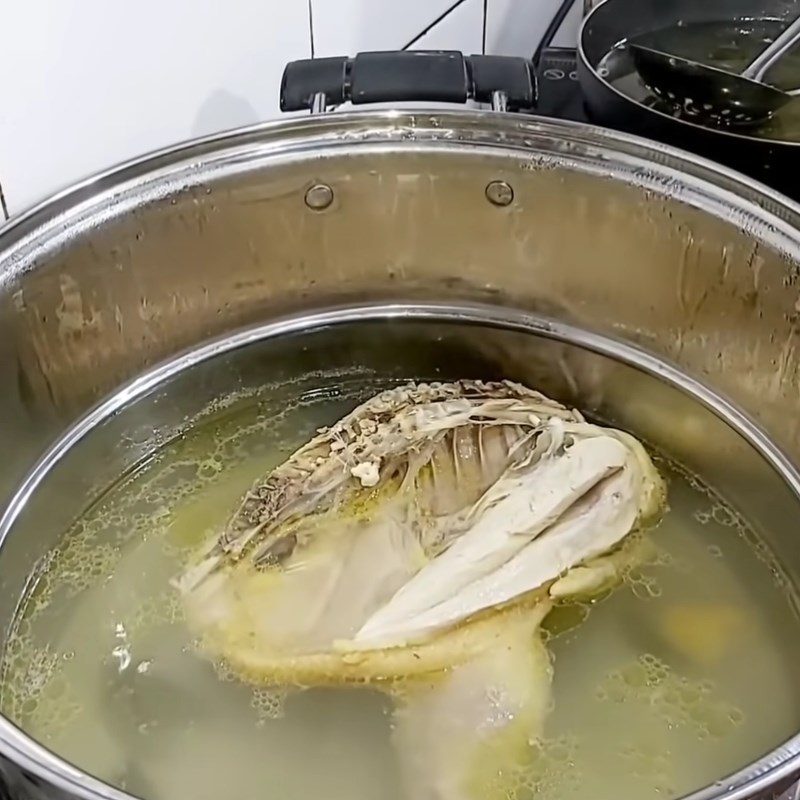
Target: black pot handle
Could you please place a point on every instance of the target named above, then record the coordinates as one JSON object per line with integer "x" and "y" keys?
{"x": 507, "y": 82}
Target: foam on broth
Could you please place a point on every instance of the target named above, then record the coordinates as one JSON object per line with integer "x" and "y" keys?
{"x": 677, "y": 678}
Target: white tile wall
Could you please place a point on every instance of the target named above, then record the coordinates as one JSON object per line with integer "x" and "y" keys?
{"x": 515, "y": 27}
{"x": 461, "y": 29}
{"x": 89, "y": 83}
{"x": 345, "y": 27}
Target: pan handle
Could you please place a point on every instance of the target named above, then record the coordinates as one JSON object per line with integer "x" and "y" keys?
{"x": 507, "y": 82}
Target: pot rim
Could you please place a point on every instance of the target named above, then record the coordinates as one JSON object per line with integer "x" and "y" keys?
{"x": 662, "y": 168}
{"x": 433, "y": 127}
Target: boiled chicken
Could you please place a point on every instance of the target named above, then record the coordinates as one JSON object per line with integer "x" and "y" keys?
{"x": 416, "y": 545}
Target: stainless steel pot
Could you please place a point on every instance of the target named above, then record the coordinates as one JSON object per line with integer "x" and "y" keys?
{"x": 600, "y": 230}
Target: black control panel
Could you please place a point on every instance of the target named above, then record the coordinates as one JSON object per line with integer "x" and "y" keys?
{"x": 559, "y": 92}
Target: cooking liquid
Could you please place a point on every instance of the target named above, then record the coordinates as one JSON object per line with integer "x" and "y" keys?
{"x": 729, "y": 45}
{"x": 682, "y": 674}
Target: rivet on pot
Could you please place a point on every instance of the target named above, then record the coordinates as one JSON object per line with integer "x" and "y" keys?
{"x": 499, "y": 193}
{"x": 319, "y": 196}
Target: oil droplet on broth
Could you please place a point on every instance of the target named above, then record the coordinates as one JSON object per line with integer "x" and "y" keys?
{"x": 652, "y": 692}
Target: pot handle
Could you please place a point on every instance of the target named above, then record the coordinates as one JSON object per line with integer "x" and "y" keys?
{"x": 507, "y": 82}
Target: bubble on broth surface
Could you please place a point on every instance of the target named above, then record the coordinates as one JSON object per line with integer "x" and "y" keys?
{"x": 546, "y": 770}
{"x": 35, "y": 688}
{"x": 677, "y": 700}
{"x": 269, "y": 703}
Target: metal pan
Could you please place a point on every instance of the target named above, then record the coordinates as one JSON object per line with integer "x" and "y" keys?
{"x": 774, "y": 161}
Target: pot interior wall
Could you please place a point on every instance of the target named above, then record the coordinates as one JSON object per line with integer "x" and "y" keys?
{"x": 88, "y": 308}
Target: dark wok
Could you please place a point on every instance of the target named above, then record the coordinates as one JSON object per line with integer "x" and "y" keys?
{"x": 770, "y": 160}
